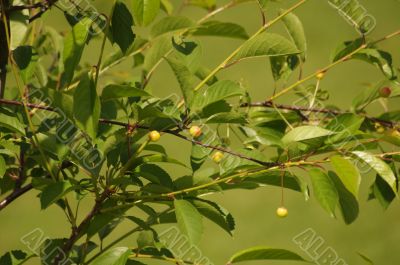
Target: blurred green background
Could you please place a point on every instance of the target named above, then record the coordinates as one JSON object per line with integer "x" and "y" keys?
{"x": 375, "y": 233}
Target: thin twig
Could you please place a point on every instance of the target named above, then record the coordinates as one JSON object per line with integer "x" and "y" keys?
{"x": 149, "y": 222}
{"x": 177, "y": 132}
{"x": 4, "y": 50}
{"x": 18, "y": 192}
{"x": 77, "y": 233}
{"x": 15, "y": 195}
{"x": 269, "y": 104}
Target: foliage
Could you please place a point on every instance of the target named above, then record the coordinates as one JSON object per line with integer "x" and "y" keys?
{"x": 77, "y": 130}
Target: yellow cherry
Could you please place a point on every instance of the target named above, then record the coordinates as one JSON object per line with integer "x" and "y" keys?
{"x": 395, "y": 133}
{"x": 282, "y": 212}
{"x": 320, "y": 75}
{"x": 217, "y": 157}
{"x": 195, "y": 131}
{"x": 379, "y": 128}
{"x": 154, "y": 136}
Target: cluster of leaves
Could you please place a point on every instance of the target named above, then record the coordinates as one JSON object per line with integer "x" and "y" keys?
{"x": 84, "y": 133}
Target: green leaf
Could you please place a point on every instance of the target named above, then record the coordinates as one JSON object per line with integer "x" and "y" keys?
{"x": 121, "y": 26}
{"x": 198, "y": 156}
{"x": 61, "y": 101}
{"x": 202, "y": 72}
{"x": 99, "y": 222}
{"x": 18, "y": 25}
{"x": 46, "y": 249}
{"x": 109, "y": 228}
{"x": 14, "y": 257}
{"x": 264, "y": 253}
{"x": 170, "y": 24}
{"x": 157, "y": 158}
{"x": 54, "y": 192}
{"x": 189, "y": 220}
{"x": 206, "y": 4}
{"x": 87, "y": 106}
{"x": 113, "y": 91}
{"x": 3, "y": 166}
{"x": 145, "y": 239}
{"x": 167, "y": 6}
{"x": 145, "y": 11}
{"x": 155, "y": 174}
{"x": 380, "y": 59}
{"x": 380, "y": 167}
{"x": 296, "y": 32}
{"x": 74, "y": 43}
{"x": 26, "y": 59}
{"x": 11, "y": 123}
{"x": 347, "y": 201}
{"x": 50, "y": 143}
{"x": 221, "y": 29}
{"x": 347, "y": 173}
{"x": 263, "y": 3}
{"x": 184, "y": 76}
{"x": 324, "y": 190}
{"x": 283, "y": 66}
{"x": 116, "y": 57}
{"x": 274, "y": 178}
{"x": 381, "y": 191}
{"x": 227, "y": 117}
{"x": 345, "y": 49}
{"x": 370, "y": 94}
{"x": 157, "y": 51}
{"x": 218, "y": 91}
{"x": 266, "y": 44}
{"x": 115, "y": 256}
{"x": 344, "y": 125}
{"x": 216, "y": 214}
{"x": 304, "y": 133}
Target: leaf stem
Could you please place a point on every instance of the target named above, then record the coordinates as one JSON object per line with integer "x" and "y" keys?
{"x": 313, "y": 75}
{"x": 149, "y": 222}
{"x": 103, "y": 44}
{"x": 258, "y": 32}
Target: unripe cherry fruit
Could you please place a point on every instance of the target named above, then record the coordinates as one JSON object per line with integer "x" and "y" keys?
{"x": 217, "y": 157}
{"x": 379, "y": 128}
{"x": 385, "y": 92}
{"x": 395, "y": 133}
{"x": 154, "y": 136}
{"x": 282, "y": 212}
{"x": 195, "y": 131}
{"x": 320, "y": 75}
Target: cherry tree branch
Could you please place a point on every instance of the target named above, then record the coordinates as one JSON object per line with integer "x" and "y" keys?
{"x": 4, "y": 50}
{"x": 77, "y": 232}
{"x": 134, "y": 126}
{"x": 205, "y": 145}
{"x": 15, "y": 195}
{"x": 18, "y": 191}
{"x": 269, "y": 104}
{"x": 44, "y": 6}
